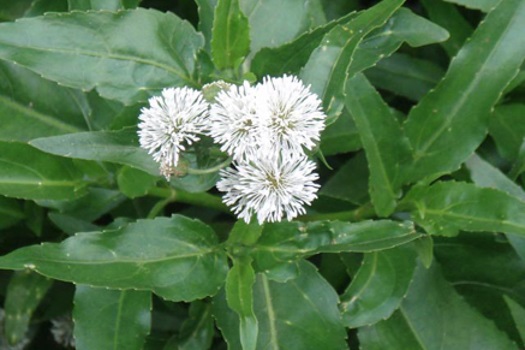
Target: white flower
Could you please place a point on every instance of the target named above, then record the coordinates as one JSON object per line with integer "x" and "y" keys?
{"x": 234, "y": 122}
{"x": 291, "y": 113}
{"x": 271, "y": 187}
{"x": 172, "y": 122}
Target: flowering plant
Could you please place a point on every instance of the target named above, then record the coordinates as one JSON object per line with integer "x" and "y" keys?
{"x": 248, "y": 174}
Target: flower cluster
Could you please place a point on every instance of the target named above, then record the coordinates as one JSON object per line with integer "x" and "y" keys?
{"x": 265, "y": 128}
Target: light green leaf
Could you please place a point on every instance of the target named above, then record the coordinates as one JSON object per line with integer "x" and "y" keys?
{"x": 434, "y": 316}
{"x": 448, "y": 16}
{"x": 10, "y": 212}
{"x": 386, "y": 147}
{"x": 127, "y": 55}
{"x": 206, "y": 9}
{"x": 445, "y": 127}
{"x": 177, "y": 258}
{"x": 119, "y": 147}
{"x": 518, "y": 312}
{"x": 326, "y": 69}
{"x": 25, "y": 291}
{"x": 483, "y": 5}
{"x": 111, "y": 319}
{"x": 111, "y": 5}
{"x": 379, "y": 286}
{"x": 283, "y": 242}
{"x": 32, "y": 107}
{"x": 230, "y": 41}
{"x": 507, "y": 129}
{"x": 28, "y": 173}
{"x": 299, "y": 314}
{"x": 448, "y": 207}
{"x": 405, "y": 76}
{"x": 275, "y": 22}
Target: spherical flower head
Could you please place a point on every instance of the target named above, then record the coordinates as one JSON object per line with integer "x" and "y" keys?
{"x": 234, "y": 123}
{"x": 270, "y": 187}
{"x": 291, "y": 112}
{"x": 171, "y": 123}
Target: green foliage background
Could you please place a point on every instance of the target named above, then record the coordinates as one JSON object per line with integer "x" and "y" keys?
{"x": 417, "y": 239}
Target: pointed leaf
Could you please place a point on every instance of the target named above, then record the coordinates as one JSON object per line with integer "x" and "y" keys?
{"x": 230, "y": 35}
{"x": 445, "y": 127}
{"x": 298, "y": 314}
{"x": 518, "y": 312}
{"x": 283, "y": 242}
{"x": 448, "y": 207}
{"x": 198, "y": 330}
{"x": 119, "y": 319}
{"x": 378, "y": 287}
{"x": 434, "y": 316}
{"x": 28, "y": 173}
{"x": 25, "y": 291}
{"x": 127, "y": 55}
{"x": 386, "y": 147}
{"x": 175, "y": 257}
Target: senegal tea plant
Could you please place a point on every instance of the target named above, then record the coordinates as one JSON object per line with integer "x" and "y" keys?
{"x": 253, "y": 175}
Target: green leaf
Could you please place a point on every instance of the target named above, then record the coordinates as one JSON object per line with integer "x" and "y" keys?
{"x": 284, "y": 242}
{"x": 405, "y": 76}
{"x": 134, "y": 183}
{"x": 386, "y": 147}
{"x": 507, "y": 129}
{"x": 341, "y": 136}
{"x": 24, "y": 293}
{"x": 239, "y": 296}
{"x": 518, "y": 312}
{"x": 378, "y": 287}
{"x": 230, "y": 35}
{"x": 31, "y": 174}
{"x": 448, "y": 207}
{"x": 275, "y": 22}
{"x": 10, "y": 212}
{"x": 434, "y": 316}
{"x": 11, "y": 10}
{"x": 291, "y": 57}
{"x": 139, "y": 53}
{"x": 112, "y": 5}
{"x": 177, "y": 258}
{"x": 32, "y": 107}
{"x": 206, "y": 10}
{"x": 326, "y": 69}
{"x": 350, "y": 182}
{"x": 445, "y": 127}
{"x": 39, "y": 7}
{"x": 198, "y": 330}
{"x": 448, "y": 16}
{"x": 111, "y": 319}
{"x": 71, "y": 225}
{"x": 483, "y": 5}
{"x": 119, "y": 147}
{"x": 298, "y": 314}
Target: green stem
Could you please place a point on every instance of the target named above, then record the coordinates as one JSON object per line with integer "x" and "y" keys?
{"x": 214, "y": 169}
{"x": 365, "y": 211}
{"x": 203, "y": 199}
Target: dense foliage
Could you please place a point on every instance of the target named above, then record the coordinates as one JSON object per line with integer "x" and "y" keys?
{"x": 416, "y": 239}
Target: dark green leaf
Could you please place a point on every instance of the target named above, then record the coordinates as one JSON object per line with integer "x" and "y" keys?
{"x": 127, "y": 55}
{"x": 10, "y": 212}
{"x": 327, "y": 67}
{"x": 70, "y": 224}
{"x": 434, "y": 316}
{"x": 299, "y": 314}
{"x": 445, "y": 127}
{"x": 518, "y": 312}
{"x": 283, "y": 242}
{"x": 31, "y": 174}
{"x": 386, "y": 147}
{"x": 24, "y": 293}
{"x": 483, "y": 5}
{"x": 39, "y": 7}
{"x": 134, "y": 183}
{"x": 405, "y": 76}
{"x": 378, "y": 287}
{"x": 111, "y": 319}
{"x": 341, "y": 136}
{"x": 448, "y": 207}
{"x": 111, "y": 5}
{"x": 230, "y": 35}
{"x": 198, "y": 330}
{"x": 275, "y": 22}
{"x": 31, "y": 106}
{"x": 176, "y": 258}
{"x": 11, "y": 10}
{"x": 507, "y": 129}
{"x": 119, "y": 147}
{"x": 448, "y": 16}
{"x": 206, "y": 9}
